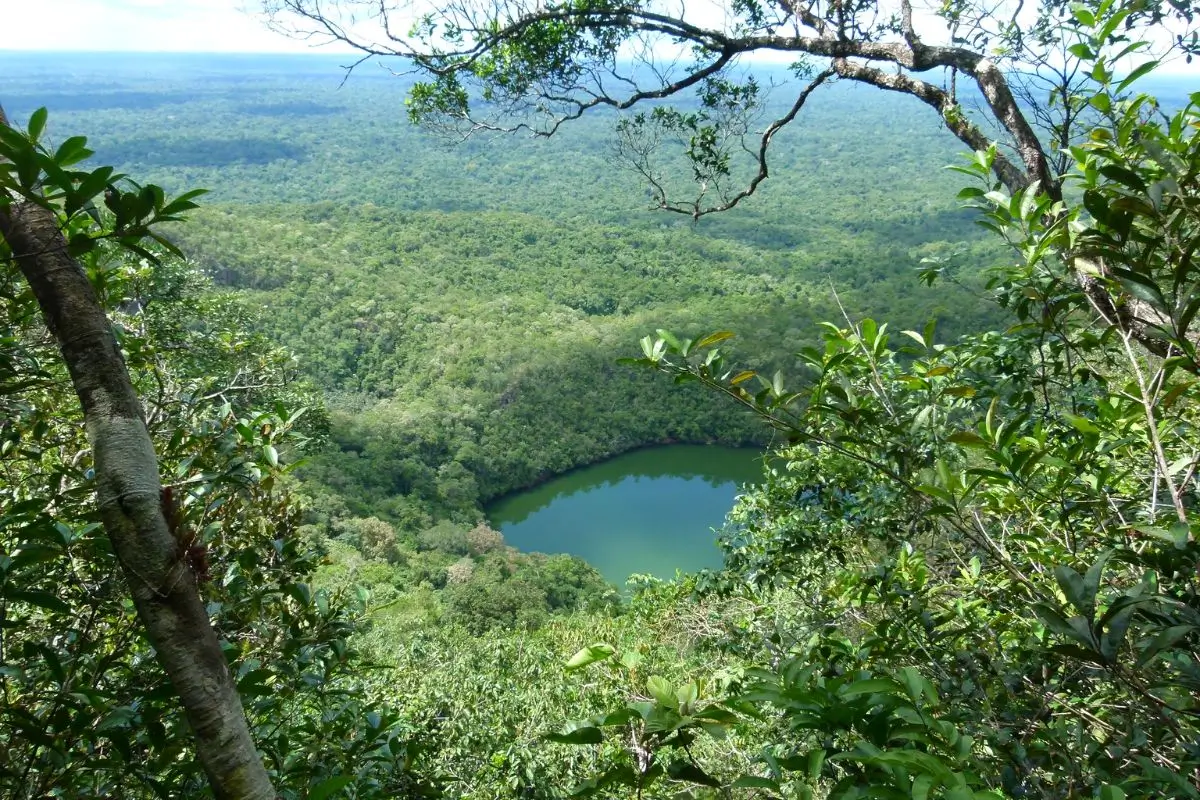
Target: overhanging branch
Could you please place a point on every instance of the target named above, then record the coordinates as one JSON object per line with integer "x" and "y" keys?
{"x": 1012, "y": 176}
{"x": 764, "y": 144}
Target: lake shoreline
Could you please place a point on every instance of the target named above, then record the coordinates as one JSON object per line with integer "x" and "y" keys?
{"x": 653, "y": 510}
{"x": 546, "y": 477}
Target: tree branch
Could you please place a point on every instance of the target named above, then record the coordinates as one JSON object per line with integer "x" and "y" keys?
{"x": 763, "y": 173}
{"x": 128, "y": 494}
{"x": 1009, "y": 173}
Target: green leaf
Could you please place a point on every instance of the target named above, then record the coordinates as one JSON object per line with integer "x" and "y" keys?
{"x": 582, "y": 735}
{"x": 1081, "y": 51}
{"x": 816, "y": 762}
{"x": 713, "y": 338}
{"x": 968, "y": 439}
{"x": 872, "y": 686}
{"x": 1141, "y": 287}
{"x": 37, "y": 123}
{"x": 669, "y": 338}
{"x": 662, "y": 691}
{"x": 1091, "y": 581}
{"x": 590, "y": 655}
{"x": 1189, "y": 313}
{"x": 94, "y": 184}
{"x": 1164, "y": 640}
{"x": 1138, "y": 72}
{"x": 1075, "y": 588}
{"x": 72, "y": 151}
{"x": 1059, "y": 624}
{"x": 630, "y": 659}
{"x": 328, "y": 787}
{"x": 687, "y": 771}
{"x": 716, "y": 714}
{"x": 618, "y": 718}
{"x": 1126, "y": 177}
{"x": 38, "y": 598}
{"x": 118, "y": 718}
{"x": 1081, "y": 424}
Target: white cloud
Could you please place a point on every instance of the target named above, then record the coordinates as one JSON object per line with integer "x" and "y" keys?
{"x": 238, "y": 26}
{"x": 150, "y": 25}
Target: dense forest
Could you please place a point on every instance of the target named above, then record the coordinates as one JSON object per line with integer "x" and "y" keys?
{"x": 969, "y": 570}
{"x": 451, "y": 299}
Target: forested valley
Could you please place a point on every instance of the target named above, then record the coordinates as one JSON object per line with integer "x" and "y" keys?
{"x": 969, "y": 567}
{"x": 461, "y": 309}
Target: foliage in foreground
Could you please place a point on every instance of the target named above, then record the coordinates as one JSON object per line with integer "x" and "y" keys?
{"x": 85, "y": 708}
{"x": 994, "y": 541}
{"x": 974, "y": 576}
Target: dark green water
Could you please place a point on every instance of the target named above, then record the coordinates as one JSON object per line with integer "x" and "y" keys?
{"x": 651, "y": 511}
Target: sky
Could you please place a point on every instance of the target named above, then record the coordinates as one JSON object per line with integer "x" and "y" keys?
{"x": 212, "y": 26}
{"x": 131, "y": 25}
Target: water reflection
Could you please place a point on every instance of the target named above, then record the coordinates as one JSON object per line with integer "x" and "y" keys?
{"x": 651, "y": 510}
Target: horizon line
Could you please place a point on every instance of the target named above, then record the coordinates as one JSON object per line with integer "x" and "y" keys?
{"x": 1165, "y": 69}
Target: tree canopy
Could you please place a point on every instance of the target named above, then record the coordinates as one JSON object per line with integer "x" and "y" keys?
{"x": 971, "y": 571}
{"x": 1004, "y": 79}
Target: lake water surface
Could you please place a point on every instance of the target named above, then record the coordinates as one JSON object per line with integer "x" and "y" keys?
{"x": 651, "y": 510}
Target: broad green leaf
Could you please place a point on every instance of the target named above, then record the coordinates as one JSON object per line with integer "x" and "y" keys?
{"x": 584, "y": 735}
{"x": 329, "y": 787}
{"x": 36, "y": 597}
{"x": 661, "y": 690}
{"x": 590, "y": 655}
{"x": 1075, "y": 588}
{"x": 687, "y": 771}
{"x": 72, "y": 151}
{"x": 1141, "y": 287}
{"x": 1138, "y": 72}
{"x": 37, "y": 123}
{"x": 968, "y": 439}
{"x": 618, "y": 718}
{"x": 713, "y": 338}
{"x": 872, "y": 686}
{"x": 630, "y": 659}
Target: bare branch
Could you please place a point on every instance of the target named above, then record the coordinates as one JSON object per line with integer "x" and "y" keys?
{"x": 763, "y": 172}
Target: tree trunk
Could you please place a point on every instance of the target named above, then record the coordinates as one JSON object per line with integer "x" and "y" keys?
{"x": 128, "y": 493}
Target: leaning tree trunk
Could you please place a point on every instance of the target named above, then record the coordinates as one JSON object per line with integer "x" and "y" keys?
{"x": 128, "y": 493}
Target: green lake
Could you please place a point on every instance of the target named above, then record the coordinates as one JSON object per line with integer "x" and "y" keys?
{"x": 651, "y": 510}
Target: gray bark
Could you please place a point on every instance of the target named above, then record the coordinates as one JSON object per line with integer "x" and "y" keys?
{"x": 128, "y": 491}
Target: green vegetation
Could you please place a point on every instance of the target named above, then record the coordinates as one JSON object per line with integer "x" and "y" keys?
{"x": 970, "y": 572}
{"x": 464, "y": 308}
{"x": 450, "y": 301}
{"x": 87, "y": 709}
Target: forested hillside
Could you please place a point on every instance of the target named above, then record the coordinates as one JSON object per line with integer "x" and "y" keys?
{"x": 452, "y": 300}
{"x": 246, "y": 446}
